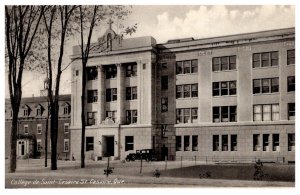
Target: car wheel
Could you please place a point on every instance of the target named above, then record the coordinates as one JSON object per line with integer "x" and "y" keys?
{"x": 133, "y": 158}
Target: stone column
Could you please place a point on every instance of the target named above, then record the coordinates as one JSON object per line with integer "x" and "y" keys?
{"x": 120, "y": 94}
{"x": 139, "y": 91}
{"x": 101, "y": 94}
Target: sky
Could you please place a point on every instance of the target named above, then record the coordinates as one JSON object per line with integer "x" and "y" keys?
{"x": 164, "y": 22}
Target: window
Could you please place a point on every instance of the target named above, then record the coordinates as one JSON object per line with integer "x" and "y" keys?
{"x": 39, "y": 110}
{"x": 266, "y": 112}
{"x": 291, "y": 83}
{"x": 265, "y": 59}
{"x": 67, "y": 109}
{"x": 91, "y": 118}
{"x": 187, "y": 91}
{"x": 224, "y": 142}
{"x": 66, "y": 127}
{"x": 224, "y": 88}
{"x": 186, "y": 115}
{"x": 256, "y": 142}
{"x": 39, "y": 128}
{"x": 266, "y": 142}
{"x": 131, "y": 70}
{"x": 195, "y": 143}
{"x": 186, "y": 143}
{"x": 38, "y": 145}
{"x": 111, "y": 94}
{"x": 131, "y": 93}
{"x": 26, "y": 129}
{"x": 291, "y": 57}
{"x": 164, "y": 82}
{"x": 26, "y": 111}
{"x": 92, "y": 73}
{"x": 215, "y": 142}
{"x": 224, "y": 63}
{"x": 224, "y": 114}
{"x": 131, "y": 116}
{"x": 164, "y": 66}
{"x": 89, "y": 143}
{"x": 92, "y": 96}
{"x": 111, "y": 71}
{"x": 129, "y": 143}
{"x": 276, "y": 142}
{"x": 164, "y": 104}
{"x": 291, "y": 110}
{"x": 66, "y": 145}
{"x": 233, "y": 140}
{"x": 76, "y": 72}
{"x": 112, "y": 115}
{"x": 109, "y": 41}
{"x": 269, "y": 85}
{"x": 178, "y": 143}
{"x": 291, "y": 142}
{"x": 187, "y": 67}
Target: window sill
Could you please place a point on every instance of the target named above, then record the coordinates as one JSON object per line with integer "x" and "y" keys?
{"x": 291, "y": 92}
{"x": 187, "y": 74}
{"x": 220, "y": 96}
{"x": 187, "y": 98}
{"x": 266, "y": 67}
{"x": 135, "y": 100}
{"x": 258, "y": 94}
{"x": 220, "y": 71}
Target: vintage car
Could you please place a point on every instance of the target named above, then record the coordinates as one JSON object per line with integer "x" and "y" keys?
{"x": 145, "y": 154}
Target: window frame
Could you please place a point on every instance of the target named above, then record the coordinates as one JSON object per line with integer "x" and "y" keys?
{"x": 91, "y": 116}
{"x": 265, "y": 59}
{"x": 187, "y": 66}
{"x": 92, "y": 96}
{"x": 68, "y": 145}
{"x": 219, "y": 114}
{"x": 224, "y": 63}
{"x": 111, "y": 72}
{"x": 164, "y": 82}
{"x": 293, "y": 116}
{"x": 129, "y": 144}
{"x": 111, "y": 114}
{"x": 265, "y": 85}
{"x": 131, "y": 70}
{"x": 39, "y": 128}
{"x": 291, "y": 84}
{"x": 290, "y": 58}
{"x": 89, "y": 143}
{"x": 111, "y": 94}
{"x": 164, "y": 104}
{"x": 92, "y": 73}
{"x": 131, "y": 93}
{"x": 262, "y": 112}
{"x": 66, "y": 128}
{"x": 186, "y": 114}
{"x": 131, "y": 116}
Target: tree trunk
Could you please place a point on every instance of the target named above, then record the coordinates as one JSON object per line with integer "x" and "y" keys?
{"x": 46, "y": 136}
{"x": 83, "y": 116}
{"x": 54, "y": 126}
{"x": 13, "y": 140}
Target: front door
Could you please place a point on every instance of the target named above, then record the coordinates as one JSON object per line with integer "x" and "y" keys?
{"x": 109, "y": 149}
{"x": 164, "y": 152}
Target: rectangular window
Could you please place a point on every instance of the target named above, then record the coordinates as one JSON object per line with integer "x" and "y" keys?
{"x": 291, "y": 83}
{"x": 89, "y": 143}
{"x": 224, "y": 88}
{"x": 266, "y": 85}
{"x": 224, "y": 142}
{"x": 92, "y": 73}
{"x": 26, "y": 112}
{"x": 39, "y": 128}
{"x": 195, "y": 143}
{"x": 92, "y": 96}
{"x": 66, "y": 145}
{"x": 131, "y": 70}
{"x": 291, "y": 110}
{"x": 111, "y": 71}
{"x": 224, "y": 63}
{"x": 224, "y": 114}
{"x": 111, "y": 115}
{"x": 91, "y": 118}
{"x": 186, "y": 143}
{"x": 178, "y": 143}
{"x": 276, "y": 142}
{"x": 129, "y": 143}
{"x": 256, "y": 142}
{"x": 194, "y": 112}
{"x": 266, "y": 142}
{"x": 187, "y": 115}
{"x": 66, "y": 127}
{"x": 39, "y": 111}
{"x": 131, "y": 93}
{"x": 291, "y": 57}
{"x": 187, "y": 91}
{"x": 164, "y": 82}
{"x": 187, "y": 67}
{"x": 233, "y": 140}
{"x": 179, "y": 116}
{"x": 111, "y": 94}
{"x": 38, "y": 145}
{"x": 164, "y": 104}
{"x": 194, "y": 90}
{"x": 266, "y": 112}
{"x": 215, "y": 142}
{"x": 26, "y": 129}
{"x": 265, "y": 59}
{"x": 216, "y": 88}
{"x": 291, "y": 142}
{"x": 179, "y": 91}
{"x": 131, "y": 116}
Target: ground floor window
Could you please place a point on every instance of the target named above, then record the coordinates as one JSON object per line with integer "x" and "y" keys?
{"x": 89, "y": 143}
{"x": 291, "y": 111}
{"x": 38, "y": 145}
{"x": 233, "y": 140}
{"x": 256, "y": 142}
{"x": 215, "y": 142}
{"x": 224, "y": 142}
{"x": 178, "y": 143}
{"x": 129, "y": 143}
{"x": 276, "y": 142}
{"x": 195, "y": 142}
{"x": 291, "y": 142}
{"x": 186, "y": 143}
{"x": 66, "y": 145}
{"x": 266, "y": 142}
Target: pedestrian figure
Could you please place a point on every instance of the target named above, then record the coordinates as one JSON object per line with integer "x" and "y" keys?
{"x": 258, "y": 174}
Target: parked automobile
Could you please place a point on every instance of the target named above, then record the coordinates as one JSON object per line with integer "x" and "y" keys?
{"x": 145, "y": 154}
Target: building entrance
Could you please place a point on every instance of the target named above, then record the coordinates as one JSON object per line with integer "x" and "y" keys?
{"x": 108, "y": 148}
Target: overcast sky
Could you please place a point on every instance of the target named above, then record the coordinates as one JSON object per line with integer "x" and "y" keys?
{"x": 170, "y": 22}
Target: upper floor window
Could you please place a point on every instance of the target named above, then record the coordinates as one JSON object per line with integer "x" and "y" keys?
{"x": 291, "y": 83}
{"x": 186, "y": 115}
{"x": 291, "y": 57}
{"x": 187, "y": 66}
{"x": 164, "y": 104}
{"x": 265, "y": 59}
{"x": 111, "y": 94}
{"x": 39, "y": 128}
{"x": 224, "y": 114}
{"x": 66, "y": 145}
{"x": 164, "y": 82}
{"x": 38, "y": 145}
{"x": 291, "y": 142}
{"x": 92, "y": 96}
{"x": 26, "y": 131}
{"x": 131, "y": 93}
{"x": 291, "y": 111}
{"x": 66, "y": 127}
{"x": 131, "y": 116}
{"x": 111, "y": 115}
{"x": 92, "y": 73}
{"x": 26, "y": 111}
{"x": 266, "y": 112}
{"x": 187, "y": 91}
{"x": 67, "y": 108}
{"x": 131, "y": 70}
{"x": 109, "y": 41}
{"x": 268, "y": 85}
{"x": 224, "y": 88}
{"x": 39, "y": 110}
{"x": 224, "y": 63}
{"x": 91, "y": 118}
{"x": 111, "y": 71}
